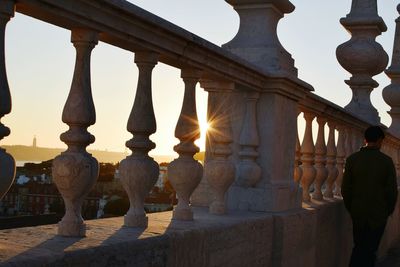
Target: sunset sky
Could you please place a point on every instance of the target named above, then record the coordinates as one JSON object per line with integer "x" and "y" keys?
{"x": 40, "y": 62}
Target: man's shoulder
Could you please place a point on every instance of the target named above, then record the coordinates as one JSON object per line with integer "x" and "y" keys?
{"x": 386, "y": 157}
{"x": 376, "y": 153}
{"x": 355, "y": 155}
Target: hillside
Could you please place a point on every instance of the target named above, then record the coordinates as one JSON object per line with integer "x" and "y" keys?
{"x": 30, "y": 153}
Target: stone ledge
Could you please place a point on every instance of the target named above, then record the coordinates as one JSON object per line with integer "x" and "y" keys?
{"x": 319, "y": 234}
{"x": 210, "y": 240}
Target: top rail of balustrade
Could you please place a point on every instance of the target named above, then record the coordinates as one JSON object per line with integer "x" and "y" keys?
{"x": 129, "y": 27}
{"x": 323, "y": 107}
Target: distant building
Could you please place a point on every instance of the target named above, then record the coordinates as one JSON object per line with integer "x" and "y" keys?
{"x": 34, "y": 142}
{"x": 162, "y": 177}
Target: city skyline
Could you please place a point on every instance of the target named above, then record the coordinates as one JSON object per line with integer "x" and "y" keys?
{"x": 40, "y": 61}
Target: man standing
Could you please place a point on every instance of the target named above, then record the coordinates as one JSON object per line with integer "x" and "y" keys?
{"x": 369, "y": 192}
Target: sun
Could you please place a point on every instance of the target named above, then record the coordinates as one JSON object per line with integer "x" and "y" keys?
{"x": 201, "y": 142}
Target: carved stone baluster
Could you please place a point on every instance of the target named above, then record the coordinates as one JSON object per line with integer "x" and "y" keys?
{"x": 184, "y": 172}
{"x": 360, "y": 140}
{"x": 307, "y": 157}
{"x": 75, "y": 171}
{"x": 139, "y": 172}
{"x": 391, "y": 93}
{"x": 7, "y": 162}
{"x": 298, "y": 172}
{"x": 355, "y": 142}
{"x": 248, "y": 171}
{"x": 219, "y": 170}
{"x": 331, "y": 161}
{"x": 362, "y": 56}
{"x": 340, "y": 159}
{"x": 348, "y": 142}
{"x": 384, "y": 148}
{"x": 320, "y": 159}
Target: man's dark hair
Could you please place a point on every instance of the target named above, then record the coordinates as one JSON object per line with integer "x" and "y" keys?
{"x": 373, "y": 133}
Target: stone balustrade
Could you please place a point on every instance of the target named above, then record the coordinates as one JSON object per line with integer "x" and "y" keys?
{"x": 237, "y": 158}
{"x": 322, "y": 162}
{"x": 256, "y": 160}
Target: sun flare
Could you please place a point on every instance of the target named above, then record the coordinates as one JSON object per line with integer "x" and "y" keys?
{"x": 201, "y": 142}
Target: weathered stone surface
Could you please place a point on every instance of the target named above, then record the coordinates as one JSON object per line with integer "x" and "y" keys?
{"x": 139, "y": 172}
{"x": 234, "y": 240}
{"x": 75, "y": 171}
{"x": 276, "y": 121}
{"x": 257, "y": 40}
{"x": 185, "y": 173}
{"x": 319, "y": 234}
{"x": 362, "y": 56}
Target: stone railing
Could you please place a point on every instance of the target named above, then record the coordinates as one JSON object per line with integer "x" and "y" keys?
{"x": 229, "y": 81}
{"x": 320, "y": 163}
{"x": 254, "y": 158}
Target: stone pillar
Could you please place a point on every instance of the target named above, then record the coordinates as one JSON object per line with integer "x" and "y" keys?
{"x": 219, "y": 170}
{"x": 139, "y": 172}
{"x": 307, "y": 157}
{"x": 391, "y": 93}
{"x": 362, "y": 56}
{"x": 75, "y": 171}
{"x": 340, "y": 160}
{"x": 7, "y": 162}
{"x": 184, "y": 172}
{"x": 248, "y": 171}
{"x": 257, "y": 42}
{"x": 320, "y": 159}
{"x": 331, "y": 161}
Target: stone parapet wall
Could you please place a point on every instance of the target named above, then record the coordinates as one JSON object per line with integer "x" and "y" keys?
{"x": 317, "y": 235}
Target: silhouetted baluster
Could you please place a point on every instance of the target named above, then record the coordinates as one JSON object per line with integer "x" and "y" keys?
{"x": 362, "y": 56}
{"x": 249, "y": 173}
{"x": 139, "y": 172}
{"x": 7, "y": 162}
{"x": 307, "y": 157}
{"x": 331, "y": 161}
{"x": 340, "y": 160}
{"x": 320, "y": 160}
{"x": 219, "y": 170}
{"x": 75, "y": 171}
{"x": 391, "y": 93}
{"x": 184, "y": 172}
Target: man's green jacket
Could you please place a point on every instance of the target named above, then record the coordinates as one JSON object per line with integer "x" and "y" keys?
{"x": 369, "y": 187}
